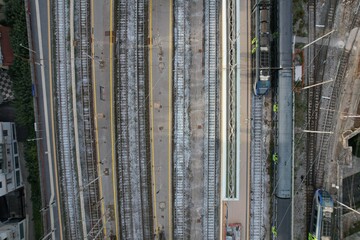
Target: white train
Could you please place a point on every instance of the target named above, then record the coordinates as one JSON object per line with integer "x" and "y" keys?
{"x": 261, "y": 43}
{"x": 321, "y": 224}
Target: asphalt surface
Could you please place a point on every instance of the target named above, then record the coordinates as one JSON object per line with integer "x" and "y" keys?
{"x": 41, "y": 95}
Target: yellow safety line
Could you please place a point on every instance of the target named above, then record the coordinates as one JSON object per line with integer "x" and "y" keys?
{"x": 111, "y": 121}
{"x": 95, "y": 116}
{"x": 53, "y": 125}
{"x": 152, "y": 119}
{"x": 170, "y": 117}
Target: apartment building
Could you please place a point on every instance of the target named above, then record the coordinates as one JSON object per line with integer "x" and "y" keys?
{"x": 10, "y": 173}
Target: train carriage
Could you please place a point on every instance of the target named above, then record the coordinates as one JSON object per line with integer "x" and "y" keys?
{"x": 320, "y": 224}
{"x": 261, "y": 49}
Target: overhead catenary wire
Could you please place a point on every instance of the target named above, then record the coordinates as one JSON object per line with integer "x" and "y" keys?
{"x": 317, "y": 159}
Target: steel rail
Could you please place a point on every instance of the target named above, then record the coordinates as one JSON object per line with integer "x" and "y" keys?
{"x": 211, "y": 134}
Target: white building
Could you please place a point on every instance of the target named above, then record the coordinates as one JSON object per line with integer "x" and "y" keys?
{"x": 10, "y": 174}
{"x": 13, "y": 230}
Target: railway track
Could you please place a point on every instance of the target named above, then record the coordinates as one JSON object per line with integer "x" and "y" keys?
{"x": 328, "y": 124}
{"x": 181, "y": 123}
{"x": 257, "y": 181}
{"x": 257, "y": 173}
{"x": 90, "y": 173}
{"x": 318, "y": 148}
{"x": 315, "y": 56}
{"x": 68, "y": 180}
{"x": 330, "y": 116}
{"x": 311, "y": 121}
{"x": 211, "y": 162}
{"x": 133, "y": 161}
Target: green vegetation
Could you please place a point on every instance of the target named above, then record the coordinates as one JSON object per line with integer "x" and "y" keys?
{"x": 34, "y": 180}
{"x": 298, "y": 17}
{"x": 20, "y": 75}
{"x": 20, "y": 71}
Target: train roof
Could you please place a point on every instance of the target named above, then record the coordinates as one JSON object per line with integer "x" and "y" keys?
{"x": 324, "y": 198}
{"x": 262, "y": 87}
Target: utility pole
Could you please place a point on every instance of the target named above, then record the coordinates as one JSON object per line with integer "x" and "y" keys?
{"x": 351, "y": 209}
{"x": 351, "y": 116}
{"x": 318, "y": 39}
{"x": 309, "y": 131}
{"x": 33, "y": 139}
{"x": 27, "y": 48}
{"x": 317, "y": 84}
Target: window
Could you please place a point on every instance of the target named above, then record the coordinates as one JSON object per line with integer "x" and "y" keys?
{"x": 21, "y": 226}
{"x": 13, "y": 131}
{"x": 8, "y": 150}
{"x": 15, "y": 148}
{"x": 5, "y": 133}
{"x": 17, "y": 178}
{"x": 0, "y": 184}
{"x": 17, "y": 162}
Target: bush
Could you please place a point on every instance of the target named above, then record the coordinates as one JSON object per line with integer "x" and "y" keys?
{"x": 34, "y": 180}
{"x": 19, "y": 73}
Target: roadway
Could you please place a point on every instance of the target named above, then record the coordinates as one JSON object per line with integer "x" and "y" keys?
{"x": 102, "y": 73}
{"x": 160, "y": 65}
{"x": 39, "y": 13}
{"x": 239, "y": 209}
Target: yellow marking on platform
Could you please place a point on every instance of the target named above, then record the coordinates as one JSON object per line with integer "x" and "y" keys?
{"x": 152, "y": 119}
{"x": 95, "y": 116}
{"x": 111, "y": 120}
{"x": 53, "y": 125}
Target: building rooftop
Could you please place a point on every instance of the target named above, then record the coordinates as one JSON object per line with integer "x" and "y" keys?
{"x": 7, "y": 55}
